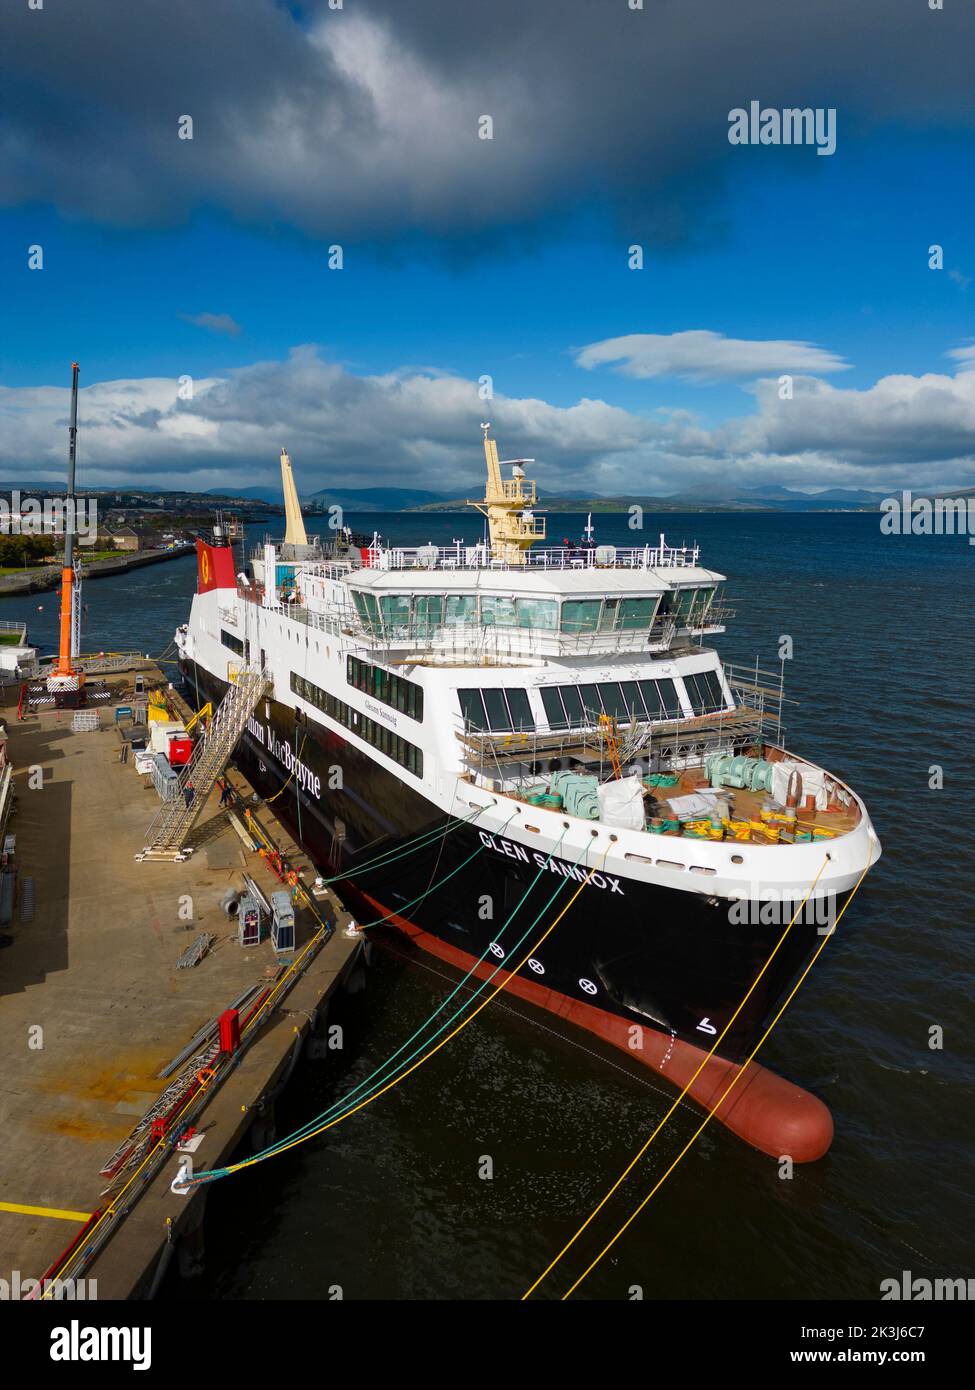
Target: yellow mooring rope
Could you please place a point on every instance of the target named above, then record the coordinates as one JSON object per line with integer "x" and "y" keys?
{"x": 714, "y": 1046}
{"x": 714, "y": 1109}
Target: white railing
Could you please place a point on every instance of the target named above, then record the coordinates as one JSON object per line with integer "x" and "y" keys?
{"x": 461, "y": 556}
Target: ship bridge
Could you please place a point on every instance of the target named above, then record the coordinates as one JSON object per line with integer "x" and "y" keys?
{"x": 522, "y": 611}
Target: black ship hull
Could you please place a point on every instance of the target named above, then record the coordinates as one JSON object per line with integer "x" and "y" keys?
{"x": 631, "y": 961}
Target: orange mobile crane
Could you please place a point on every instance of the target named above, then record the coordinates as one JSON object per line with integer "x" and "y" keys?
{"x": 67, "y": 682}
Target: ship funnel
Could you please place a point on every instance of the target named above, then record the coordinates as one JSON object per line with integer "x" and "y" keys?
{"x": 295, "y": 527}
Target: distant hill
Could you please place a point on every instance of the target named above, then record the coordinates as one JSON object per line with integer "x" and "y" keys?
{"x": 366, "y": 499}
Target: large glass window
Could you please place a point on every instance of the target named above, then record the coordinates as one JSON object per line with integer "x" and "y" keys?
{"x": 660, "y": 699}
{"x": 632, "y": 699}
{"x": 461, "y": 608}
{"x": 428, "y": 613}
{"x": 520, "y": 709}
{"x": 234, "y": 643}
{"x": 704, "y": 691}
{"x": 396, "y": 612}
{"x": 580, "y": 615}
{"x": 373, "y": 732}
{"x": 554, "y": 712}
{"x": 612, "y": 698}
{"x": 591, "y": 703}
{"x": 697, "y": 696}
{"x": 498, "y": 710}
{"x": 572, "y": 701}
{"x": 537, "y": 612}
{"x": 669, "y": 698}
{"x": 472, "y": 708}
{"x": 497, "y": 610}
{"x": 636, "y": 613}
{"x": 395, "y": 691}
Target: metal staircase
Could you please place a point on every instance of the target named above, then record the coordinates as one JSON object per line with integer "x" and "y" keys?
{"x": 167, "y": 835}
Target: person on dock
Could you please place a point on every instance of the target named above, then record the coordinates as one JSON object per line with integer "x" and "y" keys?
{"x": 227, "y": 795}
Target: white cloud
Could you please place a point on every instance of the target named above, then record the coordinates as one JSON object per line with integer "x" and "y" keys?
{"x": 422, "y": 428}
{"x": 700, "y": 355}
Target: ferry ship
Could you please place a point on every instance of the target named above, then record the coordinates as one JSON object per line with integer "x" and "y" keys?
{"x": 558, "y": 715}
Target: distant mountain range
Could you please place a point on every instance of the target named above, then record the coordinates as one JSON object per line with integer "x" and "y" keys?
{"x": 768, "y": 497}
{"x": 366, "y": 499}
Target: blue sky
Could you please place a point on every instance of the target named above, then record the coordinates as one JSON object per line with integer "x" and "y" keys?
{"x": 767, "y": 244}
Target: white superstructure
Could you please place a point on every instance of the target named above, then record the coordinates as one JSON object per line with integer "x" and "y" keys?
{"x": 472, "y": 673}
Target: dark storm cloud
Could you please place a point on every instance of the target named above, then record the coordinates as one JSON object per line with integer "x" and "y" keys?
{"x": 363, "y": 121}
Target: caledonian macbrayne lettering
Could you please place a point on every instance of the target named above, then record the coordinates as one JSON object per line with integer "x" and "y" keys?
{"x": 307, "y": 780}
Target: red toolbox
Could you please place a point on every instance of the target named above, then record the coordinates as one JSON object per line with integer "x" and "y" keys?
{"x": 180, "y": 751}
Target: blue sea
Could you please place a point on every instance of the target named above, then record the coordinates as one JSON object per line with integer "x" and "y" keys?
{"x": 390, "y": 1204}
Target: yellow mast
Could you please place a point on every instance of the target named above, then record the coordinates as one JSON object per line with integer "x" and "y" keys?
{"x": 507, "y": 505}
{"x": 295, "y": 527}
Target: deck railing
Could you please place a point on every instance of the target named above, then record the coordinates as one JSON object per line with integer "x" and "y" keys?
{"x": 460, "y": 556}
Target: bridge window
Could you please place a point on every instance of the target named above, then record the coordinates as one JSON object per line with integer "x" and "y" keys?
{"x": 428, "y": 612}
{"x": 368, "y": 610}
{"x": 461, "y": 608}
{"x": 537, "y": 612}
{"x": 497, "y": 611}
{"x": 636, "y": 613}
{"x": 396, "y": 611}
{"x": 580, "y": 615}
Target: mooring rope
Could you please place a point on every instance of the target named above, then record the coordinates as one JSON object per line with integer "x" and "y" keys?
{"x": 727, "y": 1091}
{"x": 704, "y": 1061}
{"x": 311, "y": 1132}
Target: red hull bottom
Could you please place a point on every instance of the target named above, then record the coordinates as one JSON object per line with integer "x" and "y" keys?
{"x": 766, "y": 1111}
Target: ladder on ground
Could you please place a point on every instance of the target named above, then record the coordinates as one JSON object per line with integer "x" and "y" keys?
{"x": 167, "y": 835}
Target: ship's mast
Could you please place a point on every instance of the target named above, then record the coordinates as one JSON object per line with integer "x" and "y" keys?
{"x": 65, "y": 676}
{"x": 507, "y": 505}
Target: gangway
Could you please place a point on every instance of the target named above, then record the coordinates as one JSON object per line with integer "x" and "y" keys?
{"x": 167, "y": 835}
